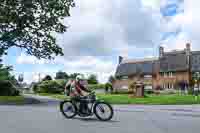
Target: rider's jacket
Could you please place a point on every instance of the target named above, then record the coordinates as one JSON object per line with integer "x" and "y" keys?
{"x": 77, "y": 89}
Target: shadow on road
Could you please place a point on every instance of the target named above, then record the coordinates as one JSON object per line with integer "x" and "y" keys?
{"x": 92, "y": 119}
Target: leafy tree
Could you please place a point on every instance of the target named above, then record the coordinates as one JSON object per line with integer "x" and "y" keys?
{"x": 32, "y": 24}
{"x": 5, "y": 72}
{"x": 92, "y": 79}
{"x": 61, "y": 75}
{"x": 47, "y": 78}
{"x": 111, "y": 79}
{"x": 49, "y": 87}
{"x": 73, "y": 76}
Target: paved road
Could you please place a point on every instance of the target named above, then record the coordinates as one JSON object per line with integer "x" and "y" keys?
{"x": 127, "y": 119}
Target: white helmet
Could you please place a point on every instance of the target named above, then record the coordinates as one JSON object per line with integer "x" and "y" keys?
{"x": 79, "y": 77}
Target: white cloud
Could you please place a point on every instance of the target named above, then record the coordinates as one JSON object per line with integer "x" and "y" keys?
{"x": 77, "y": 64}
{"x": 154, "y": 4}
{"x": 188, "y": 22}
{"x": 104, "y": 28}
{"x": 27, "y": 59}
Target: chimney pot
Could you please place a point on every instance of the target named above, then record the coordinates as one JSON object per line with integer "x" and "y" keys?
{"x": 161, "y": 51}
{"x": 120, "y": 59}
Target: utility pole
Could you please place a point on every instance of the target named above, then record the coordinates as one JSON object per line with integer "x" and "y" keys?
{"x": 39, "y": 77}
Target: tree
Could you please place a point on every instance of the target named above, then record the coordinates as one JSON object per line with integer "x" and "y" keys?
{"x": 61, "y": 75}
{"x": 111, "y": 79}
{"x": 73, "y": 76}
{"x": 31, "y": 25}
{"x": 5, "y": 72}
{"x": 47, "y": 77}
{"x": 92, "y": 79}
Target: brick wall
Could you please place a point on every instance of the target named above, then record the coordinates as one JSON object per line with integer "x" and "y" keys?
{"x": 174, "y": 80}
{"x": 122, "y": 85}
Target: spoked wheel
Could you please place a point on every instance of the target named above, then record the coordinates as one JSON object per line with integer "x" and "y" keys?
{"x": 68, "y": 109}
{"x": 103, "y": 111}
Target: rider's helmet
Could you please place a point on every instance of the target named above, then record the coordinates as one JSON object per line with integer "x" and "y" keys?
{"x": 79, "y": 78}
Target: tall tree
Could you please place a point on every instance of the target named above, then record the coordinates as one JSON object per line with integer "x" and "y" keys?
{"x": 46, "y": 78}
{"x": 32, "y": 24}
{"x": 61, "y": 75}
{"x": 5, "y": 72}
{"x": 92, "y": 79}
{"x": 111, "y": 79}
{"x": 73, "y": 76}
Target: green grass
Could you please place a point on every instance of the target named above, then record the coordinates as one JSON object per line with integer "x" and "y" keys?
{"x": 173, "y": 99}
{"x": 12, "y": 99}
{"x": 151, "y": 99}
{"x": 57, "y": 96}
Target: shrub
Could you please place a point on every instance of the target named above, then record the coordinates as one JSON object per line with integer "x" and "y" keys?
{"x": 61, "y": 82}
{"x": 168, "y": 91}
{"x": 190, "y": 91}
{"x": 149, "y": 91}
{"x": 8, "y": 89}
{"x": 120, "y": 92}
{"x": 35, "y": 87}
{"x": 96, "y": 86}
{"x": 49, "y": 87}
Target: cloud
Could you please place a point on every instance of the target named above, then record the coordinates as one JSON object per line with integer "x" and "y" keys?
{"x": 105, "y": 28}
{"x": 101, "y": 30}
{"x": 26, "y": 59}
{"x": 102, "y": 67}
{"x": 187, "y": 21}
{"x": 154, "y": 4}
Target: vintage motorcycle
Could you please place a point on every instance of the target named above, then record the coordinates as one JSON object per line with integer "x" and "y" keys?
{"x": 101, "y": 109}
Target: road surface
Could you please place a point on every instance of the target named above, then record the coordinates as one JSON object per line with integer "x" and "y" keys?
{"x": 46, "y": 118}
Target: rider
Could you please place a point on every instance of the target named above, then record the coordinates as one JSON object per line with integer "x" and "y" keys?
{"x": 78, "y": 90}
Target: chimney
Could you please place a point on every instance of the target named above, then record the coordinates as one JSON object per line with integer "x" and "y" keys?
{"x": 120, "y": 59}
{"x": 161, "y": 51}
{"x": 188, "y": 50}
{"x": 188, "y": 47}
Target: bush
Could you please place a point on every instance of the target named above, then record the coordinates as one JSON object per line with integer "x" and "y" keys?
{"x": 169, "y": 91}
{"x": 96, "y": 86}
{"x": 35, "y": 88}
{"x": 190, "y": 91}
{"x": 61, "y": 82}
{"x": 120, "y": 92}
{"x": 148, "y": 91}
{"x": 7, "y": 89}
{"x": 49, "y": 87}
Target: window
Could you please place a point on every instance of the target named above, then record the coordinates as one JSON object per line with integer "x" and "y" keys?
{"x": 165, "y": 74}
{"x": 163, "y": 86}
{"x": 147, "y": 76}
{"x": 171, "y": 74}
{"x": 124, "y": 77}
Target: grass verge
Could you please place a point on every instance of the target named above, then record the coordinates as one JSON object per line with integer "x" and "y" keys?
{"x": 172, "y": 99}
{"x": 12, "y": 99}
{"x": 151, "y": 99}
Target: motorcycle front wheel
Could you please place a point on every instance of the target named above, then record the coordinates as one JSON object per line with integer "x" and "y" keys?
{"x": 103, "y": 111}
{"x": 68, "y": 109}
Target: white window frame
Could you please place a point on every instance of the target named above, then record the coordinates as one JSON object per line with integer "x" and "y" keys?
{"x": 165, "y": 75}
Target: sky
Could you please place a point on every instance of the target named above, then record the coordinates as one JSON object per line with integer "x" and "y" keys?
{"x": 101, "y": 30}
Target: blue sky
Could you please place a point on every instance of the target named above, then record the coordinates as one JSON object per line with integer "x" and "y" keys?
{"x": 101, "y": 30}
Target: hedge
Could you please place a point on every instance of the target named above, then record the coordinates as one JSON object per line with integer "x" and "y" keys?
{"x": 49, "y": 87}
{"x": 96, "y": 86}
{"x": 8, "y": 89}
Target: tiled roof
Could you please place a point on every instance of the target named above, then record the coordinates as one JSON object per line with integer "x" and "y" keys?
{"x": 139, "y": 60}
{"x": 174, "y": 61}
{"x": 131, "y": 67}
{"x": 195, "y": 61}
